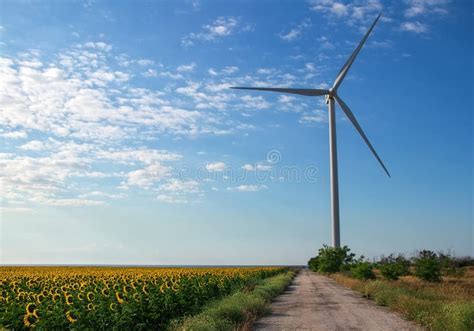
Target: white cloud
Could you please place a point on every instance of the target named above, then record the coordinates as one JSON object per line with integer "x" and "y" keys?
{"x": 98, "y": 45}
{"x": 415, "y": 27}
{"x": 265, "y": 71}
{"x": 425, "y": 7}
{"x": 225, "y": 71}
{"x": 170, "y": 199}
{"x": 48, "y": 178}
{"x": 230, "y": 70}
{"x": 285, "y": 98}
{"x": 339, "y": 9}
{"x": 101, "y": 194}
{"x": 186, "y": 67}
{"x": 178, "y": 191}
{"x": 295, "y": 32}
{"x": 221, "y": 27}
{"x": 71, "y": 202}
{"x": 148, "y": 176}
{"x": 217, "y": 166}
{"x": 14, "y": 135}
{"x": 143, "y": 155}
{"x": 35, "y": 63}
{"x": 180, "y": 186}
{"x": 316, "y": 116}
{"x": 351, "y": 12}
{"x": 247, "y": 188}
{"x": 33, "y": 145}
{"x": 85, "y": 112}
{"x": 150, "y": 73}
{"x": 218, "y": 87}
{"x": 255, "y": 102}
{"x": 256, "y": 167}
{"x": 80, "y": 96}
{"x": 145, "y": 62}
{"x": 310, "y": 67}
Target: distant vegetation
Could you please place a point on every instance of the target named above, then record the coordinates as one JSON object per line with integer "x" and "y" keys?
{"x": 433, "y": 289}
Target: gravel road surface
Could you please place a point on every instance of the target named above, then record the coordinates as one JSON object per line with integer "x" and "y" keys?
{"x": 315, "y": 302}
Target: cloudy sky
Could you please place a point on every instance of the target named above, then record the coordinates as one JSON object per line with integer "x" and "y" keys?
{"x": 120, "y": 142}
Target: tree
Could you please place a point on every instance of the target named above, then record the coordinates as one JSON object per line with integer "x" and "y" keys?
{"x": 362, "y": 270}
{"x": 392, "y": 267}
{"x": 331, "y": 259}
{"x": 427, "y": 266}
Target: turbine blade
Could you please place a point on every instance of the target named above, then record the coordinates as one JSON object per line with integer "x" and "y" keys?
{"x": 356, "y": 124}
{"x": 345, "y": 68}
{"x": 308, "y": 92}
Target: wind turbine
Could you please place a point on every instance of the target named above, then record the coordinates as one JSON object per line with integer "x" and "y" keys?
{"x": 331, "y": 96}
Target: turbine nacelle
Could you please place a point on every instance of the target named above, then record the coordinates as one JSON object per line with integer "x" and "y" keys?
{"x": 331, "y": 93}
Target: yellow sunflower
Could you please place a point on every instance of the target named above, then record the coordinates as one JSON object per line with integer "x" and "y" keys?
{"x": 30, "y": 308}
{"x": 30, "y": 320}
{"x": 112, "y": 306}
{"x": 90, "y": 296}
{"x": 105, "y": 292}
{"x": 163, "y": 287}
{"x": 39, "y": 298}
{"x": 90, "y": 306}
{"x": 71, "y": 317}
{"x": 126, "y": 289}
{"x": 69, "y": 300}
{"x": 119, "y": 297}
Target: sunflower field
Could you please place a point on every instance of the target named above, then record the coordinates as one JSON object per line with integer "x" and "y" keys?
{"x": 113, "y": 298}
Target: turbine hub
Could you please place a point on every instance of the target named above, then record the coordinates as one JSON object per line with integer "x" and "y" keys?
{"x": 330, "y": 95}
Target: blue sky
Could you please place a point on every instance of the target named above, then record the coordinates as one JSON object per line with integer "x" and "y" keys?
{"x": 122, "y": 144}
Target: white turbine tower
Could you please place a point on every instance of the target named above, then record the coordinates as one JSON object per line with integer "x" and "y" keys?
{"x": 331, "y": 96}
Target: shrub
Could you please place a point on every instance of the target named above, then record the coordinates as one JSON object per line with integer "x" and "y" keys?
{"x": 427, "y": 266}
{"x": 313, "y": 263}
{"x": 450, "y": 265}
{"x": 394, "y": 267}
{"x": 464, "y": 261}
{"x": 362, "y": 270}
{"x": 331, "y": 259}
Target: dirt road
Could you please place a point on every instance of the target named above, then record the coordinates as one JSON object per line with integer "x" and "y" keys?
{"x": 315, "y": 302}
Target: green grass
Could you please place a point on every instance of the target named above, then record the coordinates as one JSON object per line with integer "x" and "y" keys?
{"x": 239, "y": 310}
{"x": 445, "y": 306}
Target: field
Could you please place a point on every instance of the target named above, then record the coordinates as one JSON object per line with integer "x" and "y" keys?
{"x": 445, "y": 305}
{"x": 119, "y": 298}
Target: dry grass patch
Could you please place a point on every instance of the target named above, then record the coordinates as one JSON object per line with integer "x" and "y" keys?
{"x": 448, "y": 305}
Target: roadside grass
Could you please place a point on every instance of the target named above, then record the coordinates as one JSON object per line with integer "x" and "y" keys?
{"x": 448, "y": 305}
{"x": 237, "y": 311}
